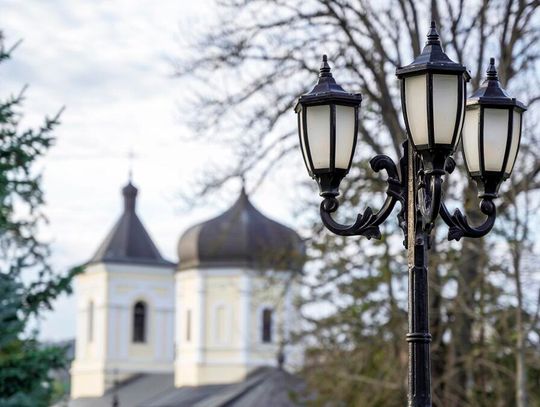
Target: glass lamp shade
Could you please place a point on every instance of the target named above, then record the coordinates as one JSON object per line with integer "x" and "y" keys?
{"x": 328, "y": 128}
{"x": 328, "y": 137}
{"x": 491, "y": 134}
{"x": 433, "y": 108}
{"x": 433, "y": 102}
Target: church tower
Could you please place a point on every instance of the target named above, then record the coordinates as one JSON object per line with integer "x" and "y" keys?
{"x": 234, "y": 290}
{"x": 125, "y": 308}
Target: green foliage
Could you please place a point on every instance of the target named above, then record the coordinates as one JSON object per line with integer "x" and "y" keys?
{"x": 27, "y": 284}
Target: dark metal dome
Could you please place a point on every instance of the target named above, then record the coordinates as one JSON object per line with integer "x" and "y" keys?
{"x": 241, "y": 237}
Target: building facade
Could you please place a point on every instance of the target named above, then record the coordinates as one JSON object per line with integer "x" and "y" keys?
{"x": 125, "y": 308}
{"x": 234, "y": 290}
{"x": 222, "y": 312}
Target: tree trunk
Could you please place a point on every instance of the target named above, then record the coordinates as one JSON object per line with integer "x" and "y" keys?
{"x": 469, "y": 272}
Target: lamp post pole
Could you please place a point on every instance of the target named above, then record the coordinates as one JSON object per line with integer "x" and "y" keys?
{"x": 436, "y": 115}
{"x": 418, "y": 337}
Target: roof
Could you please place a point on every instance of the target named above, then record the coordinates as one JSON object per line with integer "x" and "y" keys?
{"x": 128, "y": 242}
{"x": 241, "y": 237}
{"x": 265, "y": 387}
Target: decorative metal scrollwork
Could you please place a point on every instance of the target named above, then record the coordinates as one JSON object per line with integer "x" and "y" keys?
{"x": 458, "y": 225}
{"x": 429, "y": 198}
{"x": 367, "y": 223}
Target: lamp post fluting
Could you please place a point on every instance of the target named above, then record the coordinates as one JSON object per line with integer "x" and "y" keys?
{"x": 436, "y": 114}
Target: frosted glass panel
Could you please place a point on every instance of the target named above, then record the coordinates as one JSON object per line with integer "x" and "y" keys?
{"x": 470, "y": 139}
{"x": 344, "y": 135}
{"x": 516, "y": 134}
{"x": 462, "y": 118}
{"x": 495, "y": 135}
{"x": 318, "y": 128}
{"x": 445, "y": 104}
{"x": 416, "y": 102}
{"x": 302, "y": 143}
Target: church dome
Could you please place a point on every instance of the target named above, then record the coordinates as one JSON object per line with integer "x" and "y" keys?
{"x": 241, "y": 237}
{"x": 128, "y": 241}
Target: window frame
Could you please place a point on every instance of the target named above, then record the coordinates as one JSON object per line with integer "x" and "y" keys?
{"x": 139, "y": 314}
{"x": 266, "y": 327}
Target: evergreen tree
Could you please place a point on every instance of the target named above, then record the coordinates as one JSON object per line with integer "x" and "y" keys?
{"x": 27, "y": 283}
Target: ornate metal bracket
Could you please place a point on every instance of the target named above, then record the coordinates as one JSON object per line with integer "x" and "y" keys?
{"x": 367, "y": 224}
{"x": 429, "y": 199}
{"x": 458, "y": 226}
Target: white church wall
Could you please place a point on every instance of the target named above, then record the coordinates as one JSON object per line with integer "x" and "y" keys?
{"x": 268, "y": 292}
{"x": 115, "y": 289}
{"x": 222, "y": 291}
{"x": 214, "y": 353}
{"x": 189, "y": 299}
{"x": 153, "y": 286}
{"x": 226, "y": 306}
{"x": 90, "y": 288}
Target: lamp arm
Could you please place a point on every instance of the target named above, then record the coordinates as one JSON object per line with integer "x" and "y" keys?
{"x": 459, "y": 226}
{"x": 367, "y": 223}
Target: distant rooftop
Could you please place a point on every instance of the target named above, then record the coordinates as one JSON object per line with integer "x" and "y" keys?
{"x": 128, "y": 242}
{"x": 266, "y": 387}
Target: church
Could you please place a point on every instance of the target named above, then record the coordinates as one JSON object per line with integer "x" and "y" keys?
{"x": 212, "y": 330}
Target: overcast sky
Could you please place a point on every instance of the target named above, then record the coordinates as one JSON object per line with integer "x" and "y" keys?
{"x": 108, "y": 63}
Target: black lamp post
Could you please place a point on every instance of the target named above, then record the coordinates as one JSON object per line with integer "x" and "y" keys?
{"x": 436, "y": 114}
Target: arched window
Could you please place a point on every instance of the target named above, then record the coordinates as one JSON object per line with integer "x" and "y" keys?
{"x": 91, "y": 321}
{"x": 139, "y": 322}
{"x": 266, "y": 325}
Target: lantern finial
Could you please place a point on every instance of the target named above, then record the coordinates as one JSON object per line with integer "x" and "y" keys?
{"x": 492, "y": 71}
{"x": 324, "y": 72}
{"x": 433, "y": 35}
{"x": 326, "y": 82}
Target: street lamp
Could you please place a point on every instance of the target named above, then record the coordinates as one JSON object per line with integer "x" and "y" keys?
{"x": 491, "y": 134}
{"x": 328, "y": 128}
{"x": 436, "y": 114}
{"x": 433, "y": 102}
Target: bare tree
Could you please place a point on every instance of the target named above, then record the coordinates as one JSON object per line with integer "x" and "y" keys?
{"x": 263, "y": 54}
